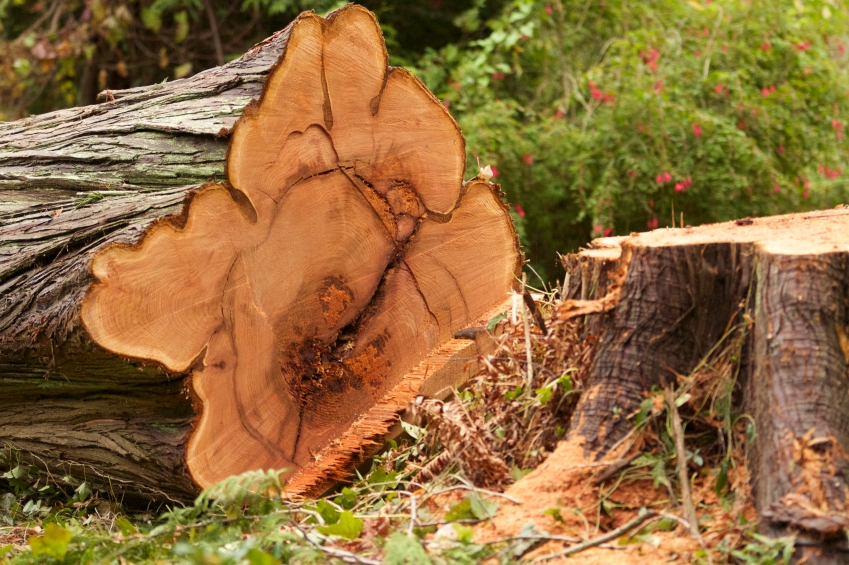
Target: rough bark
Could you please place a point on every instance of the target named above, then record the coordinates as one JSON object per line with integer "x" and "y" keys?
{"x": 311, "y": 295}
{"x": 676, "y": 293}
{"x": 72, "y": 182}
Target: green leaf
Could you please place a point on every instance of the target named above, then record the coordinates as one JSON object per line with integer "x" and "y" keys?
{"x": 414, "y": 432}
{"x": 347, "y": 527}
{"x": 127, "y": 528}
{"x": 82, "y": 492}
{"x": 491, "y": 325}
{"x": 182, "y": 21}
{"x": 401, "y": 549}
{"x": 460, "y": 511}
{"x": 658, "y": 473}
{"x": 54, "y": 542}
{"x": 482, "y": 508}
{"x": 327, "y": 511}
{"x": 515, "y": 393}
{"x": 544, "y": 394}
{"x": 183, "y": 70}
{"x": 554, "y": 513}
{"x": 258, "y": 557}
{"x": 6, "y": 549}
{"x": 152, "y": 19}
{"x": 348, "y": 498}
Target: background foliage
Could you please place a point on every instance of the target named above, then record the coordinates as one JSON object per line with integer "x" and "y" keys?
{"x": 599, "y": 116}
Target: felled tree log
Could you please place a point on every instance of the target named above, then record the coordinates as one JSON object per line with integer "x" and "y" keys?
{"x": 661, "y": 300}
{"x": 159, "y": 335}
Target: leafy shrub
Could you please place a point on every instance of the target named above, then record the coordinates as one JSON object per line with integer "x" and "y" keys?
{"x": 600, "y": 117}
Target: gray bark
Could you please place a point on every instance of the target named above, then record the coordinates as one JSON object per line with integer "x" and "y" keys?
{"x": 71, "y": 182}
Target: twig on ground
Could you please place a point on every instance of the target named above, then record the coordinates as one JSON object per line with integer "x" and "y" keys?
{"x": 347, "y": 556}
{"x": 614, "y": 467}
{"x": 641, "y": 517}
{"x": 528, "y": 350}
{"x": 473, "y": 489}
{"x": 681, "y": 460}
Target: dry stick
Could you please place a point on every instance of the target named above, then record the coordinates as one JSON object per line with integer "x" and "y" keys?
{"x": 641, "y": 517}
{"x": 341, "y": 554}
{"x": 528, "y": 354}
{"x": 681, "y": 459}
{"x": 347, "y": 556}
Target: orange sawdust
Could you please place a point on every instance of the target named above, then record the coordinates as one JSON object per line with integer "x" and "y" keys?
{"x": 564, "y": 481}
{"x": 562, "y": 497}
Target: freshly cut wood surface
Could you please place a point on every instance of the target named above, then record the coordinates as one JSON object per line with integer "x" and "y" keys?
{"x": 343, "y": 250}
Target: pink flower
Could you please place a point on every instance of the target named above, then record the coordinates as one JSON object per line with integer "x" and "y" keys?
{"x": 781, "y": 149}
{"x": 520, "y": 211}
{"x": 806, "y": 194}
{"x": 663, "y": 178}
{"x": 765, "y": 92}
{"x": 528, "y": 159}
{"x": 807, "y": 185}
{"x": 719, "y": 88}
{"x": 632, "y": 173}
{"x": 772, "y": 89}
{"x": 558, "y": 114}
{"x": 608, "y": 231}
{"x": 765, "y": 46}
{"x": 706, "y": 32}
{"x": 725, "y": 49}
{"x": 840, "y": 135}
{"x": 640, "y": 127}
{"x": 667, "y": 177}
{"x": 697, "y": 130}
{"x": 679, "y": 187}
{"x": 598, "y": 229}
{"x": 498, "y": 76}
{"x": 651, "y": 203}
{"x": 609, "y": 98}
{"x": 658, "y": 87}
{"x": 596, "y": 93}
{"x": 836, "y": 125}
{"x": 777, "y": 188}
{"x": 548, "y": 9}
{"x": 591, "y": 84}
{"x": 652, "y": 223}
{"x": 803, "y": 45}
{"x": 841, "y": 49}
{"x": 495, "y": 172}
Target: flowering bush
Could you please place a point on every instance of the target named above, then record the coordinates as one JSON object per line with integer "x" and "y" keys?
{"x": 601, "y": 117}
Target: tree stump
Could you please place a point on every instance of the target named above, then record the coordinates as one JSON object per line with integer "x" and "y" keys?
{"x": 286, "y": 315}
{"x": 660, "y": 301}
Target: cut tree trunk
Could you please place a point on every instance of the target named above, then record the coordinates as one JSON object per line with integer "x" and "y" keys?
{"x": 160, "y": 332}
{"x": 662, "y": 300}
